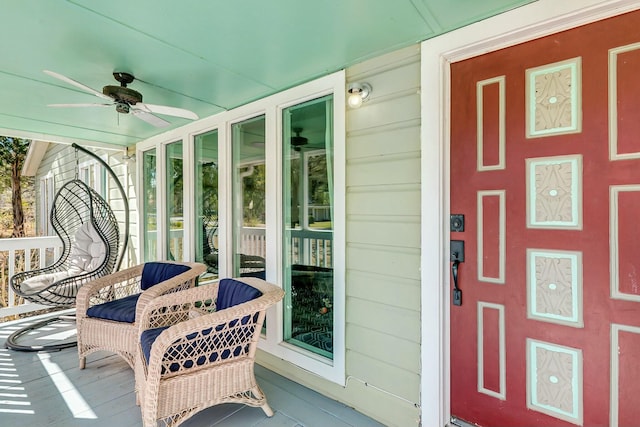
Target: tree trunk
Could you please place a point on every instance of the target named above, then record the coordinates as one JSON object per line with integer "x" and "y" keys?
{"x": 16, "y": 200}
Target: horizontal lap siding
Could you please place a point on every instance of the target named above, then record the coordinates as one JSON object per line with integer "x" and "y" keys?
{"x": 383, "y": 237}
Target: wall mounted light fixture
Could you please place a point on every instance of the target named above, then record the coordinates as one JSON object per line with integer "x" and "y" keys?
{"x": 357, "y": 94}
{"x": 129, "y": 153}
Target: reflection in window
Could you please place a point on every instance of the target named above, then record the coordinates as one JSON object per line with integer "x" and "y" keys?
{"x": 149, "y": 209}
{"x": 206, "y": 200}
{"x": 249, "y": 242}
{"x": 175, "y": 188}
{"x": 308, "y": 226}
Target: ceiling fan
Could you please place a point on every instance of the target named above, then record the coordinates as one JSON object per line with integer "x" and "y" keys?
{"x": 298, "y": 141}
{"x": 126, "y": 100}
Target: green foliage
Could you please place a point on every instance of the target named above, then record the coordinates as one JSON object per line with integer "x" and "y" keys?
{"x": 13, "y": 152}
{"x": 209, "y": 190}
{"x": 254, "y": 187}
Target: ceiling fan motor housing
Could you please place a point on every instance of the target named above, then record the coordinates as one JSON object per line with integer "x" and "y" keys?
{"x": 298, "y": 140}
{"x": 123, "y": 94}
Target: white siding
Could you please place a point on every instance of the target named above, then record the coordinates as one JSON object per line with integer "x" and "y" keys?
{"x": 383, "y": 234}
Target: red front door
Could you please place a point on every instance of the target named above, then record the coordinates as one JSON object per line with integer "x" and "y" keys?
{"x": 545, "y": 168}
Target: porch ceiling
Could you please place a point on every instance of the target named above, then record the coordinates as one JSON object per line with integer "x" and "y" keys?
{"x": 205, "y": 56}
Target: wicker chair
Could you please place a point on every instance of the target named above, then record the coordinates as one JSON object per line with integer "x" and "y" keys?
{"x": 107, "y": 309}
{"x": 197, "y": 349}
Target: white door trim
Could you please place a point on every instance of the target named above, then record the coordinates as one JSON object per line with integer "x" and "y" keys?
{"x": 525, "y": 23}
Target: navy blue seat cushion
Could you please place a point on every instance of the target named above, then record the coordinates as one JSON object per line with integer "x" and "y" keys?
{"x": 120, "y": 310}
{"x": 233, "y": 292}
{"x": 157, "y": 272}
{"x": 147, "y": 338}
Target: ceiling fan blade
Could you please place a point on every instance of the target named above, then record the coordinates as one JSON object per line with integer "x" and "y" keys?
{"x": 77, "y": 84}
{"x": 163, "y": 109}
{"x": 79, "y": 105}
{"x": 150, "y": 118}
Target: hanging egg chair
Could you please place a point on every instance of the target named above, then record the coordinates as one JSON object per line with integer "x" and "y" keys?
{"x": 92, "y": 247}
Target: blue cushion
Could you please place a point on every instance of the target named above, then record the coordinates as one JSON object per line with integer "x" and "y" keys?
{"x": 259, "y": 274}
{"x": 120, "y": 310}
{"x": 157, "y": 272}
{"x": 147, "y": 338}
{"x": 233, "y": 292}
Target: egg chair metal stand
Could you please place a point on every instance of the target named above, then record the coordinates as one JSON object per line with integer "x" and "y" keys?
{"x": 92, "y": 247}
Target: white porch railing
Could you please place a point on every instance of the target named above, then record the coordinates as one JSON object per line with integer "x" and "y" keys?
{"x": 308, "y": 247}
{"x": 23, "y": 254}
{"x": 312, "y": 247}
{"x": 176, "y": 241}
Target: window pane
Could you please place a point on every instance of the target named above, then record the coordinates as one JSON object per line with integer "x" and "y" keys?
{"x": 149, "y": 209}
{"x": 249, "y": 243}
{"x": 308, "y": 227}
{"x": 174, "y": 226}
{"x": 206, "y": 200}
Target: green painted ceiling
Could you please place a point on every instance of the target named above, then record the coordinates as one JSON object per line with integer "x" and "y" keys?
{"x": 201, "y": 55}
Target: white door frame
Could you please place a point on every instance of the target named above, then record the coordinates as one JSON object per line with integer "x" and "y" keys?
{"x": 532, "y": 21}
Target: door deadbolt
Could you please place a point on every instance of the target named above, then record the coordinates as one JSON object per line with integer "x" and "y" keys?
{"x": 457, "y": 222}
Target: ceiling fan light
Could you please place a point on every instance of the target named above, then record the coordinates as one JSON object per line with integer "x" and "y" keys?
{"x": 122, "y": 107}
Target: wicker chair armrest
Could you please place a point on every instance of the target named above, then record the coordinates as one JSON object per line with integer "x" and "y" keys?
{"x": 180, "y": 282}
{"x": 169, "y": 309}
{"x": 95, "y": 292}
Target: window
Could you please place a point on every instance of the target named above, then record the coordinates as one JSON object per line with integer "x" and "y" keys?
{"x": 94, "y": 175}
{"x": 259, "y": 191}
{"x": 149, "y": 207}
{"x": 206, "y": 200}
{"x": 175, "y": 202}
{"x": 249, "y": 197}
{"x": 308, "y": 225}
{"x": 46, "y": 198}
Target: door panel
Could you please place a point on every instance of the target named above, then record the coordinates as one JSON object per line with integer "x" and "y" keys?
{"x": 545, "y": 166}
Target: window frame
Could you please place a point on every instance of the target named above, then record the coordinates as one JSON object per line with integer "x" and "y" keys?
{"x": 99, "y": 176}
{"x": 272, "y": 108}
{"x": 47, "y": 194}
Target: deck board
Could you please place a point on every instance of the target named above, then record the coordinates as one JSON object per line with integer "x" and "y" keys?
{"x": 39, "y": 389}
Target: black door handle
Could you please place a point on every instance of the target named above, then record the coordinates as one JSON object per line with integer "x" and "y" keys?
{"x": 457, "y": 293}
{"x": 457, "y": 256}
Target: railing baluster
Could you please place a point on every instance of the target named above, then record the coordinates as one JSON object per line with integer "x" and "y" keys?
{"x": 27, "y": 260}
{"x": 25, "y": 245}
{"x": 12, "y": 270}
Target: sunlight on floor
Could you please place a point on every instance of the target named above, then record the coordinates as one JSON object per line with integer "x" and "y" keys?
{"x": 8, "y": 388}
{"x": 76, "y": 404}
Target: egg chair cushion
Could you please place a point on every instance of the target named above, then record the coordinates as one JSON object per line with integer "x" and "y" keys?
{"x": 87, "y": 254}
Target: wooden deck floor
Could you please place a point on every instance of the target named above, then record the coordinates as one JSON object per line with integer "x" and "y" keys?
{"x": 48, "y": 389}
